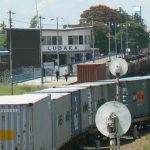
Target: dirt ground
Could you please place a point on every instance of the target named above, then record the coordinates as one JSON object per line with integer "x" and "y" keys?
{"x": 128, "y": 143}
{"x": 137, "y": 144}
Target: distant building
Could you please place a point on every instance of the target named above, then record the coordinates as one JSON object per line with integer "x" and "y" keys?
{"x": 25, "y": 47}
{"x": 74, "y": 44}
{"x": 4, "y": 59}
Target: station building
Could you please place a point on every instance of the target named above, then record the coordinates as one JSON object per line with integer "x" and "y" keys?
{"x": 74, "y": 45}
{"x": 4, "y": 58}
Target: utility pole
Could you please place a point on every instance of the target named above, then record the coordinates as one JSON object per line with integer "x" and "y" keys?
{"x": 109, "y": 42}
{"x": 10, "y": 50}
{"x": 121, "y": 40}
{"x": 126, "y": 38}
{"x": 93, "y": 39}
{"x": 57, "y": 45}
{"x": 115, "y": 40}
{"x": 41, "y": 54}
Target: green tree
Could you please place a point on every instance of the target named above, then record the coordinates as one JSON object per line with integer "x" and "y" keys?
{"x": 139, "y": 36}
{"x": 2, "y": 35}
{"x": 34, "y": 22}
{"x": 100, "y": 15}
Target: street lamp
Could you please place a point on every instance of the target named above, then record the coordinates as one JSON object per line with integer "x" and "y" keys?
{"x": 115, "y": 38}
{"x": 41, "y": 54}
{"x": 121, "y": 40}
{"x": 127, "y": 42}
{"x": 58, "y": 59}
{"x": 92, "y": 36}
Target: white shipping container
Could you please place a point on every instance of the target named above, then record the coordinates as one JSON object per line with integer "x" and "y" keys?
{"x": 20, "y": 118}
{"x": 61, "y": 112}
{"x": 60, "y": 115}
{"x": 86, "y": 112}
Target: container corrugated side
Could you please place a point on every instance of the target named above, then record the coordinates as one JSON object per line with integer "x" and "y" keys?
{"x": 61, "y": 109}
{"x": 137, "y": 97}
{"x": 14, "y": 126}
{"x": 86, "y": 108}
{"x": 76, "y": 112}
{"x": 75, "y": 105}
{"x": 42, "y": 124}
{"x": 91, "y": 72}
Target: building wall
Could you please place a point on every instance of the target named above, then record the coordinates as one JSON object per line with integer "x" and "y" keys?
{"x": 25, "y": 47}
{"x": 65, "y": 47}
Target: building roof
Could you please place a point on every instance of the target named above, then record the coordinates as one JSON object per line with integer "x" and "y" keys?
{"x": 4, "y": 51}
{"x": 46, "y": 29}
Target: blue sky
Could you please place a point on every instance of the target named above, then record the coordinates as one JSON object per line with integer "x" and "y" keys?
{"x": 70, "y": 10}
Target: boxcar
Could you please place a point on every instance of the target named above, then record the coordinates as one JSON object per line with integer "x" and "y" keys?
{"x": 137, "y": 96}
{"x": 75, "y": 106}
{"x": 86, "y": 108}
{"x": 99, "y": 95}
{"x": 23, "y": 123}
{"x": 135, "y": 93}
{"x": 60, "y": 107}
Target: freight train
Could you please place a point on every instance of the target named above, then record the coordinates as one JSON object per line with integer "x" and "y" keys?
{"x": 90, "y": 72}
{"x": 50, "y": 118}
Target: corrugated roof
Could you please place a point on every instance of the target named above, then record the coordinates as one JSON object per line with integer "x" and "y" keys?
{"x": 21, "y": 99}
{"x": 96, "y": 83}
{"x": 58, "y": 95}
{"x": 58, "y": 90}
{"x": 129, "y": 79}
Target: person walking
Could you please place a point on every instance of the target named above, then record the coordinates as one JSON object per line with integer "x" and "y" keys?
{"x": 66, "y": 75}
{"x": 57, "y": 74}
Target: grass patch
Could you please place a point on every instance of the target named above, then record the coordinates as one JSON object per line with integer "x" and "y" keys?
{"x": 146, "y": 145}
{"x": 6, "y": 90}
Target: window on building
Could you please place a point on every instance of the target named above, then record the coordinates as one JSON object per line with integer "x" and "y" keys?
{"x": 44, "y": 40}
{"x": 60, "y": 40}
{"x": 80, "y": 39}
{"x": 4, "y": 59}
{"x": 49, "y": 40}
{"x": 70, "y": 40}
{"x": 86, "y": 39}
{"x": 75, "y": 40}
{"x": 89, "y": 39}
{"x": 54, "y": 40}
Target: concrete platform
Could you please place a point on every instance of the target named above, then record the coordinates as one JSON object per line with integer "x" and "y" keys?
{"x": 50, "y": 81}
